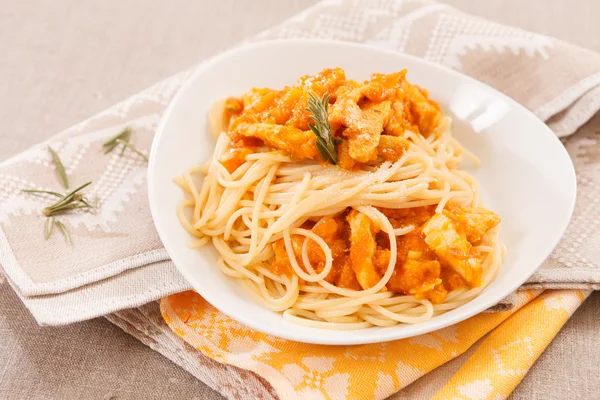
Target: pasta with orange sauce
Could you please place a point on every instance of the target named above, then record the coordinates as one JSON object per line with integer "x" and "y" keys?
{"x": 345, "y": 211}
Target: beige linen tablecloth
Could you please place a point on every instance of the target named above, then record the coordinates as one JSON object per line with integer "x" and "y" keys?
{"x": 100, "y": 53}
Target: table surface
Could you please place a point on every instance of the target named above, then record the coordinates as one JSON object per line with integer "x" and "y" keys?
{"x": 65, "y": 60}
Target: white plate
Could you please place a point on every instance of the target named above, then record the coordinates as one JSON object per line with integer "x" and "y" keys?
{"x": 527, "y": 176}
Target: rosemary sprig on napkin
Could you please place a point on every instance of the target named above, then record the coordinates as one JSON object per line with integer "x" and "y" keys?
{"x": 75, "y": 200}
{"x": 72, "y": 200}
{"x": 122, "y": 138}
{"x": 321, "y": 128}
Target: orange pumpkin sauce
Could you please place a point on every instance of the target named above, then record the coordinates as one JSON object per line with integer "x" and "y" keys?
{"x": 417, "y": 269}
{"x": 368, "y": 120}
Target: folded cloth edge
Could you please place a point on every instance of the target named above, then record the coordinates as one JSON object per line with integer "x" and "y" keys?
{"x": 66, "y": 308}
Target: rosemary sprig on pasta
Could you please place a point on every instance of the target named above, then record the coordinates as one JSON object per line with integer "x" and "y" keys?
{"x": 321, "y": 128}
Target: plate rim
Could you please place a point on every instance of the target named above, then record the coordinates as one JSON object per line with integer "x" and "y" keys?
{"x": 349, "y": 340}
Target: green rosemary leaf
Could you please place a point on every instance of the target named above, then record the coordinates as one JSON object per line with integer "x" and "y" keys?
{"x": 73, "y": 194}
{"x": 49, "y": 226}
{"x": 132, "y": 148}
{"x": 64, "y": 231}
{"x": 67, "y": 202}
{"x": 122, "y": 138}
{"x": 123, "y": 148}
{"x": 111, "y": 143}
{"x": 319, "y": 110}
{"x": 86, "y": 202}
{"x": 64, "y": 209}
{"x": 42, "y": 191}
{"x": 60, "y": 167}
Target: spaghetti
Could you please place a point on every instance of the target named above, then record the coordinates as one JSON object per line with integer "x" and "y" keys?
{"x": 363, "y": 243}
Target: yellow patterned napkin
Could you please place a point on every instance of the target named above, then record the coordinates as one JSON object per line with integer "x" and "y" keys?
{"x": 514, "y": 340}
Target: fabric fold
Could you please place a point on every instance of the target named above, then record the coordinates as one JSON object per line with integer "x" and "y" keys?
{"x": 133, "y": 288}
